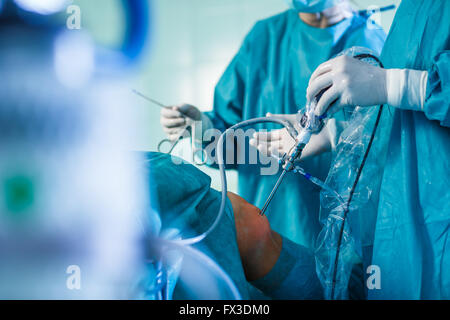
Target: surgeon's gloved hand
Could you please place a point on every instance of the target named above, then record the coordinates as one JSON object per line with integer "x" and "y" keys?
{"x": 346, "y": 81}
{"x": 275, "y": 143}
{"x": 176, "y": 119}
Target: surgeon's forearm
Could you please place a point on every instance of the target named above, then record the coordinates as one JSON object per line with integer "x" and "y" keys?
{"x": 259, "y": 246}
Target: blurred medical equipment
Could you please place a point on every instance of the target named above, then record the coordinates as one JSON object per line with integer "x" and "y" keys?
{"x": 43, "y": 7}
{"x": 70, "y": 193}
{"x": 136, "y": 34}
{"x": 187, "y": 131}
{"x": 71, "y": 196}
{"x": 184, "y": 266}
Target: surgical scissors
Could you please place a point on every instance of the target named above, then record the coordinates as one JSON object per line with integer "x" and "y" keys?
{"x": 190, "y": 123}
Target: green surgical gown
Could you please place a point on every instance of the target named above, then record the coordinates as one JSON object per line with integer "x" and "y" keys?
{"x": 270, "y": 73}
{"x": 412, "y": 242}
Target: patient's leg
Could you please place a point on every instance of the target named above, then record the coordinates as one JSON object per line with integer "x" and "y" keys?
{"x": 259, "y": 246}
{"x": 242, "y": 243}
{"x": 277, "y": 266}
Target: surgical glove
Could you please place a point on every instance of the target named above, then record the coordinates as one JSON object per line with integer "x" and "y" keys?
{"x": 275, "y": 143}
{"x": 176, "y": 119}
{"x": 346, "y": 81}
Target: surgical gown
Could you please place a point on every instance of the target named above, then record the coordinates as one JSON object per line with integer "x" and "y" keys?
{"x": 412, "y": 242}
{"x": 270, "y": 73}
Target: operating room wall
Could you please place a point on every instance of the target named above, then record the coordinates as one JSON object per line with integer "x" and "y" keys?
{"x": 192, "y": 43}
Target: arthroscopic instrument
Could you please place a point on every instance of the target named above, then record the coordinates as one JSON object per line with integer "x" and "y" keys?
{"x": 187, "y": 131}
{"x": 159, "y": 104}
{"x": 310, "y": 124}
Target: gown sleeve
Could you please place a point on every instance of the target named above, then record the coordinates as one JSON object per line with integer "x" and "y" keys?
{"x": 437, "y": 102}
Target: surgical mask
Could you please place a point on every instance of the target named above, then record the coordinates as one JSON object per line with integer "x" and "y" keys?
{"x": 312, "y": 6}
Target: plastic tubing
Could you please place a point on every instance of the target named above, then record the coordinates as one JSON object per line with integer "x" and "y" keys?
{"x": 319, "y": 183}
{"x": 206, "y": 261}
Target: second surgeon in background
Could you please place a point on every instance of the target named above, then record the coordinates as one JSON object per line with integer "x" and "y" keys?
{"x": 270, "y": 73}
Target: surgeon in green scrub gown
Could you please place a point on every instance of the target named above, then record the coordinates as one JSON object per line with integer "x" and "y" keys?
{"x": 412, "y": 232}
{"x": 412, "y": 239}
{"x": 270, "y": 73}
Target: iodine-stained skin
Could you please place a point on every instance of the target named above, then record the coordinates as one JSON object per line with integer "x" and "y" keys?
{"x": 259, "y": 246}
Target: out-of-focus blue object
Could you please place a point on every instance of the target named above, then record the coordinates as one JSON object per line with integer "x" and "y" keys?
{"x": 42, "y": 7}
{"x": 62, "y": 168}
{"x": 137, "y": 28}
{"x": 412, "y": 237}
{"x": 187, "y": 208}
{"x": 138, "y": 13}
{"x": 183, "y": 272}
{"x": 366, "y": 13}
{"x": 270, "y": 73}
{"x": 311, "y": 6}
{"x": 138, "y": 37}
{"x": 60, "y": 204}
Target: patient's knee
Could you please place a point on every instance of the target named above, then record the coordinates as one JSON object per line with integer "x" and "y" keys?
{"x": 248, "y": 221}
{"x": 259, "y": 246}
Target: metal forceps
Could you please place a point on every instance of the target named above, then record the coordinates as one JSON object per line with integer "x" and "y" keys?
{"x": 172, "y": 144}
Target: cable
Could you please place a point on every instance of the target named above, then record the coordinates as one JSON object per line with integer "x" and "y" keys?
{"x": 358, "y": 175}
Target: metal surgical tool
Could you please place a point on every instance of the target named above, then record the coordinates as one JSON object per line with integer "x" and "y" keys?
{"x": 172, "y": 144}
{"x": 310, "y": 125}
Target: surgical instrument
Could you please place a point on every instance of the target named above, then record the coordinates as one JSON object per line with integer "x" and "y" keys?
{"x": 189, "y": 127}
{"x": 310, "y": 124}
{"x": 149, "y": 99}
